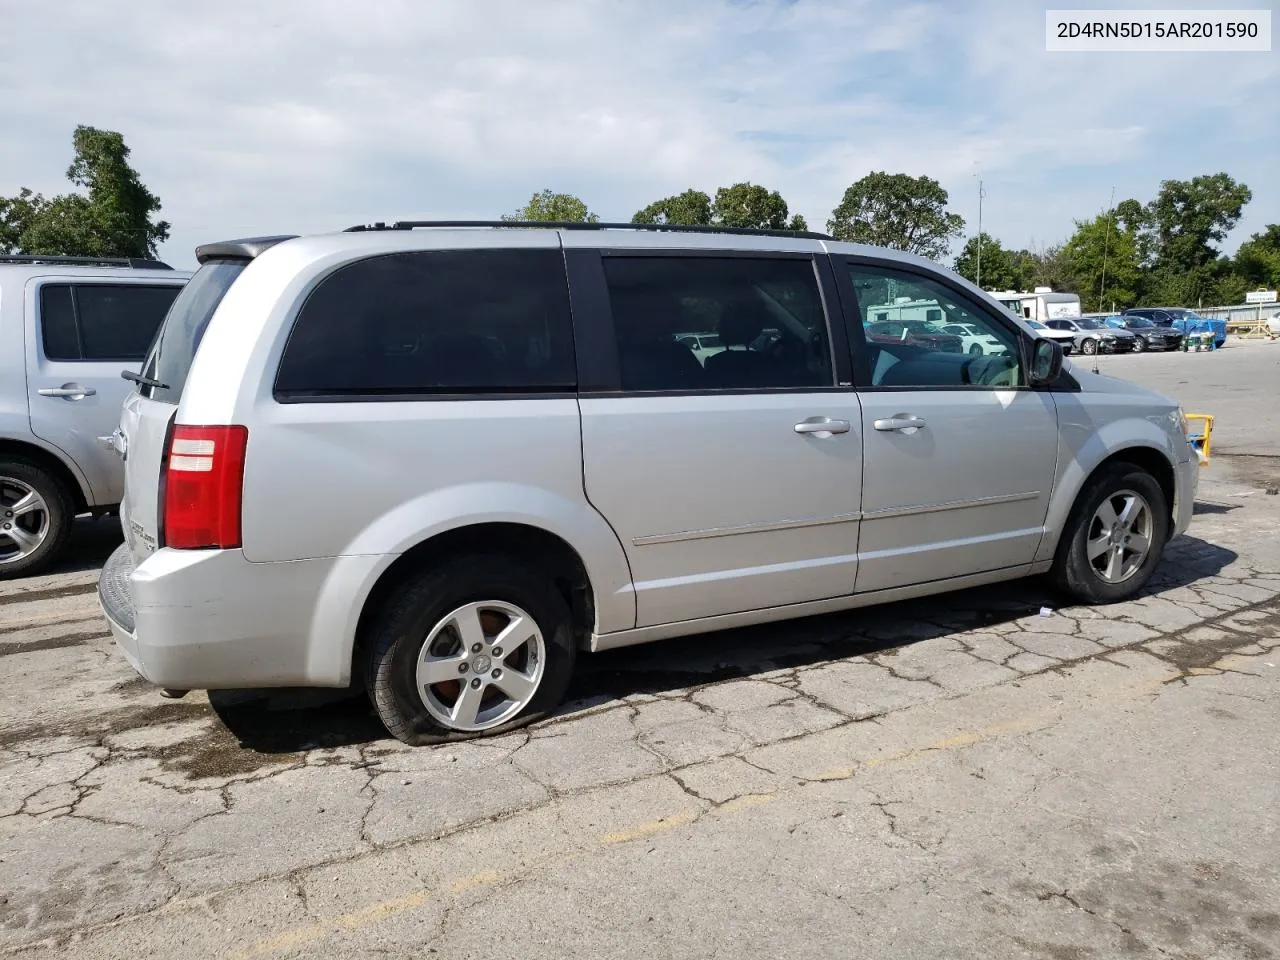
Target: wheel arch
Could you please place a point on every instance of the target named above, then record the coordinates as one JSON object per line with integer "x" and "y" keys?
{"x": 1149, "y": 457}
{"x": 536, "y": 546}
{"x": 52, "y": 462}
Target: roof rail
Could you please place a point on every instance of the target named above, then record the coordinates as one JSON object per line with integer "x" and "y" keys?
{"x": 136, "y": 263}
{"x": 575, "y": 225}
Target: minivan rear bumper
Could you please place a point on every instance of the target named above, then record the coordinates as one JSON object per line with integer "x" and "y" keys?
{"x": 212, "y": 620}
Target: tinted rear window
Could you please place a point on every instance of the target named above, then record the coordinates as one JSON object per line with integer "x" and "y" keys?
{"x": 170, "y": 358}
{"x": 434, "y": 322}
{"x": 100, "y": 321}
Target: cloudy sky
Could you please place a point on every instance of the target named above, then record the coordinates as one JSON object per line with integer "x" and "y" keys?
{"x": 273, "y": 116}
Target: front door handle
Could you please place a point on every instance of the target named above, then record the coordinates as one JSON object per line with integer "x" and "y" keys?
{"x": 821, "y": 427}
{"x": 68, "y": 391}
{"x": 904, "y": 423}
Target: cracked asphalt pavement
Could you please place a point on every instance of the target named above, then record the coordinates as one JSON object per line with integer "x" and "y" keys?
{"x": 959, "y": 777}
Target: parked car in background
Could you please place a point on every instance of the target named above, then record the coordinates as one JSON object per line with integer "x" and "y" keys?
{"x": 1066, "y": 339}
{"x": 309, "y": 503}
{"x": 1183, "y": 320}
{"x": 1273, "y": 325}
{"x": 916, "y": 332}
{"x": 1093, "y": 337}
{"x": 703, "y": 345}
{"x": 1150, "y": 335}
{"x": 68, "y": 327}
{"x": 973, "y": 339}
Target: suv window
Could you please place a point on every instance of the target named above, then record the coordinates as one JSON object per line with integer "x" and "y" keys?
{"x": 169, "y": 360}
{"x": 435, "y": 322}
{"x": 100, "y": 321}
{"x": 910, "y": 349}
{"x": 767, "y": 315}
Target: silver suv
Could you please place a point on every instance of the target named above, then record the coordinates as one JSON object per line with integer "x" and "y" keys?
{"x": 441, "y": 460}
{"x": 68, "y": 327}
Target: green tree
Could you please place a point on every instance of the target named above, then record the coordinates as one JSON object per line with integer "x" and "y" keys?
{"x": 1001, "y": 269}
{"x": 1258, "y": 259}
{"x": 16, "y": 216}
{"x": 550, "y": 207}
{"x": 691, "y": 208}
{"x": 1104, "y": 259}
{"x": 897, "y": 211}
{"x": 751, "y": 206}
{"x": 743, "y": 205}
{"x": 1185, "y": 220}
{"x": 1046, "y": 267}
{"x": 112, "y": 218}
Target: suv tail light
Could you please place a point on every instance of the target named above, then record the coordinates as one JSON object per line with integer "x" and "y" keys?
{"x": 204, "y": 481}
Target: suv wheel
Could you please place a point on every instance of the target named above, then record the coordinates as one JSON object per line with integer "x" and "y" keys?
{"x": 479, "y": 646}
{"x": 1089, "y": 346}
{"x": 35, "y": 518}
{"x": 1114, "y": 536}
{"x": 1139, "y": 344}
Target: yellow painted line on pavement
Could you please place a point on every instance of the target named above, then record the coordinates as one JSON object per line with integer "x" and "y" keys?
{"x": 649, "y": 829}
{"x": 744, "y": 802}
{"x": 370, "y": 914}
{"x": 375, "y": 912}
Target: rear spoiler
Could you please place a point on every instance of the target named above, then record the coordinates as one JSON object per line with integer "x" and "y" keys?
{"x": 245, "y": 249}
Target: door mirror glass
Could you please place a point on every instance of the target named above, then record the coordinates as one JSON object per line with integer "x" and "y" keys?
{"x": 1046, "y": 362}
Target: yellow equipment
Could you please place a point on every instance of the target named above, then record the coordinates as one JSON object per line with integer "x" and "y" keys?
{"x": 1199, "y": 433}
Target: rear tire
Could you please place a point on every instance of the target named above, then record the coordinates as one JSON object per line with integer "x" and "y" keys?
{"x": 431, "y": 628}
{"x": 1085, "y": 578}
{"x": 35, "y": 518}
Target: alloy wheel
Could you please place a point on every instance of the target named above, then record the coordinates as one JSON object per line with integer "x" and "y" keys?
{"x": 24, "y": 520}
{"x": 1119, "y": 536}
{"x": 481, "y": 665}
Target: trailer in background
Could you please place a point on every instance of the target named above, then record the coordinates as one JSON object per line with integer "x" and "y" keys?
{"x": 1041, "y": 304}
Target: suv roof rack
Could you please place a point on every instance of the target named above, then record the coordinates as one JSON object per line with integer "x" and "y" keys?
{"x": 136, "y": 263}
{"x": 575, "y": 225}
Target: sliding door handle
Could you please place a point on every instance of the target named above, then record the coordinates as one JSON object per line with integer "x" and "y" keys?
{"x": 902, "y": 424}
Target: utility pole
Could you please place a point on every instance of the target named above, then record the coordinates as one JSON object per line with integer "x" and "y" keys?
{"x": 981, "y": 194}
{"x": 1105, "y": 243}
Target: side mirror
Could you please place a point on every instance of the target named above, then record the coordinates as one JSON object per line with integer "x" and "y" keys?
{"x": 1046, "y": 362}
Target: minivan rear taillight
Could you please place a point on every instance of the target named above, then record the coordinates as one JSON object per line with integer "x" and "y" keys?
{"x": 203, "y": 484}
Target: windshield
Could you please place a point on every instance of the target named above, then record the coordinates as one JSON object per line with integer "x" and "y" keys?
{"x": 1088, "y": 324}
{"x": 175, "y": 347}
{"x": 1036, "y": 325}
{"x": 1138, "y": 322}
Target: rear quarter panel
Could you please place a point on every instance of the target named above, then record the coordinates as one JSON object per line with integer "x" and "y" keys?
{"x": 375, "y": 478}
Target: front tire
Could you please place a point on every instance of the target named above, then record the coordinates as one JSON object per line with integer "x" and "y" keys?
{"x": 1089, "y": 347}
{"x": 975, "y": 350}
{"x": 1139, "y": 345}
{"x": 36, "y": 512}
{"x": 1114, "y": 536}
{"x": 472, "y": 648}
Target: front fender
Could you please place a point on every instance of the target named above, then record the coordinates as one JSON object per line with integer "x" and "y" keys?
{"x": 1092, "y": 430}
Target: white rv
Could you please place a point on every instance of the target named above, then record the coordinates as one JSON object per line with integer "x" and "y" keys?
{"x": 1041, "y": 304}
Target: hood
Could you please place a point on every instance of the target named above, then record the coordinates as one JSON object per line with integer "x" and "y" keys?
{"x": 1091, "y": 382}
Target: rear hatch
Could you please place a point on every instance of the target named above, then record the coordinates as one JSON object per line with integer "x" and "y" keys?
{"x": 148, "y": 412}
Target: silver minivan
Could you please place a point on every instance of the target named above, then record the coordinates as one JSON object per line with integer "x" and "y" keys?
{"x": 440, "y": 460}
